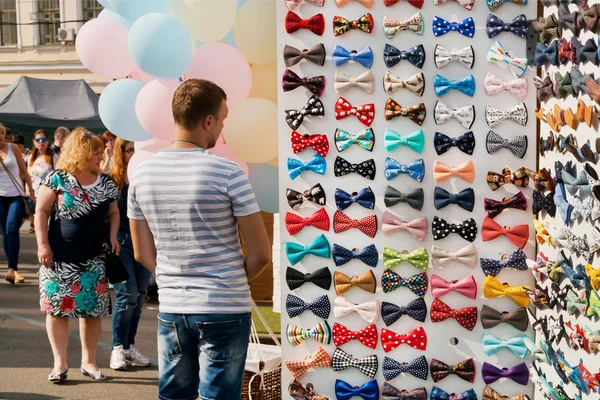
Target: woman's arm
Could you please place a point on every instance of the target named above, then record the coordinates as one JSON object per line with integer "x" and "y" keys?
{"x": 43, "y": 210}
{"x": 23, "y": 173}
{"x": 113, "y": 219}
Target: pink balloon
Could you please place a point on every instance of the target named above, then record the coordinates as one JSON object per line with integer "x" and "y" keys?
{"x": 222, "y": 150}
{"x": 102, "y": 48}
{"x": 153, "y": 108}
{"x": 139, "y": 157}
{"x": 224, "y": 65}
{"x": 140, "y": 75}
{"x": 152, "y": 143}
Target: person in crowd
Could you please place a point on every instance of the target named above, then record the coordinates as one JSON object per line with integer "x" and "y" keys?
{"x": 76, "y": 211}
{"x": 130, "y": 295}
{"x": 60, "y": 135}
{"x": 9, "y": 137}
{"x": 20, "y": 142}
{"x": 108, "y": 138}
{"x": 13, "y": 173}
{"x": 185, "y": 205}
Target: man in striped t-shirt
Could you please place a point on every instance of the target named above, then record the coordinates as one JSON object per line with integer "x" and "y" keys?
{"x": 185, "y": 206}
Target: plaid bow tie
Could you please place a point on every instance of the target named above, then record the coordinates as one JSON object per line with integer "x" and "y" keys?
{"x": 493, "y": 208}
{"x": 392, "y": 223}
{"x": 415, "y": 83}
{"x": 365, "y": 169}
{"x": 415, "y": 55}
{"x": 417, "y": 339}
{"x": 517, "y": 318}
{"x": 342, "y": 360}
{"x": 587, "y": 19}
{"x": 341, "y": 25}
{"x": 320, "y": 358}
{"x": 492, "y": 345}
{"x": 369, "y": 255}
{"x": 318, "y": 142}
{"x": 321, "y": 332}
{"x": 515, "y": 260}
{"x": 414, "y": 198}
{"x": 364, "y": 113}
{"x": 464, "y": 56}
{"x": 320, "y": 306}
{"x": 440, "y": 27}
{"x": 493, "y": 288}
{"x": 418, "y": 258}
{"x": 417, "y": 368}
{"x": 519, "y": 26}
{"x": 415, "y": 170}
{"x": 343, "y": 282}
{"x": 416, "y": 309}
{"x": 466, "y": 317}
{"x": 547, "y": 28}
{"x": 316, "y": 54}
{"x": 389, "y": 392}
{"x": 566, "y": 51}
{"x": 439, "y": 394}
{"x": 466, "y": 229}
{"x": 296, "y": 252}
{"x": 293, "y": 23}
{"x": 295, "y": 278}
{"x": 441, "y": 287}
{"x": 364, "y": 139}
{"x": 342, "y": 223}
{"x": 465, "y": 370}
{"x": 315, "y": 195}
{"x": 367, "y": 311}
{"x": 416, "y": 113}
{"x": 313, "y": 107}
{"x": 367, "y": 336}
{"x": 501, "y": 57}
{"x": 519, "y": 178}
{"x": 291, "y": 81}
{"x": 341, "y": 56}
{"x": 415, "y": 24}
{"x": 493, "y": 5}
{"x": 579, "y": 82}
{"x": 417, "y": 284}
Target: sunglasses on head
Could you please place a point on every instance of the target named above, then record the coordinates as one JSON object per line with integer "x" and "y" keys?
{"x": 130, "y": 151}
{"x": 88, "y": 135}
{"x": 41, "y": 139}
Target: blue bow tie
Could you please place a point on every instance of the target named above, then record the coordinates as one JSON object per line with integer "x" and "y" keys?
{"x": 466, "y": 27}
{"x": 465, "y": 199}
{"x": 364, "y": 56}
{"x": 439, "y": 394}
{"x": 492, "y": 345}
{"x": 365, "y": 198}
{"x": 393, "y": 168}
{"x": 341, "y": 255}
{"x": 319, "y": 306}
{"x": 519, "y": 26}
{"x": 515, "y": 260}
{"x": 368, "y": 391}
{"x": 414, "y": 140}
{"x": 441, "y": 85}
{"x": 414, "y": 55}
{"x": 319, "y": 247}
{"x": 564, "y": 207}
{"x": 417, "y": 368}
{"x": 316, "y": 164}
{"x": 546, "y": 55}
{"x": 577, "y": 276}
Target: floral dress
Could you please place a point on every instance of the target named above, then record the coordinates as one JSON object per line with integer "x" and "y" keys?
{"x": 38, "y": 171}
{"x": 75, "y": 285}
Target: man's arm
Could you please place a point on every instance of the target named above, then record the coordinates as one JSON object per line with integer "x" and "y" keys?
{"x": 257, "y": 243}
{"x": 144, "y": 250}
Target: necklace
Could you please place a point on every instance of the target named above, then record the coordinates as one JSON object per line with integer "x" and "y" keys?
{"x": 188, "y": 142}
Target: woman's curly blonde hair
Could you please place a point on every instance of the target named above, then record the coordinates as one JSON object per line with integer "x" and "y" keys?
{"x": 77, "y": 150}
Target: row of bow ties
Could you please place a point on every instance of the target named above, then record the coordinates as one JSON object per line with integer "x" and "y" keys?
{"x": 562, "y": 85}
{"x": 493, "y": 5}
{"x": 560, "y": 52}
{"x": 585, "y": 18}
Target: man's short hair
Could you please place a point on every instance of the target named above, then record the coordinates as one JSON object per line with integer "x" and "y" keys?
{"x": 8, "y": 132}
{"x": 61, "y": 131}
{"x": 19, "y": 139}
{"x": 194, "y": 100}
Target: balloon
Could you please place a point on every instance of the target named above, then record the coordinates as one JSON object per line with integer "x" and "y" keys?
{"x": 104, "y": 4}
{"x": 152, "y": 143}
{"x": 117, "y": 109}
{"x": 274, "y": 162}
{"x": 160, "y": 46}
{"x": 141, "y": 76}
{"x": 139, "y": 157}
{"x": 225, "y": 66}
{"x": 206, "y": 20}
{"x": 255, "y": 31}
{"x": 153, "y": 108}
{"x": 263, "y": 84}
{"x": 102, "y": 48}
{"x": 251, "y": 130}
{"x": 134, "y": 9}
{"x": 107, "y": 14}
{"x": 222, "y": 150}
{"x": 264, "y": 179}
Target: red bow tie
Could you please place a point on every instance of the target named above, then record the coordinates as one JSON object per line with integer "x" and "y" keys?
{"x": 367, "y": 225}
{"x": 466, "y": 317}
{"x": 494, "y": 207}
{"x": 295, "y": 223}
{"x": 416, "y": 3}
{"x": 367, "y": 335}
{"x": 566, "y": 51}
{"x": 417, "y": 339}
{"x": 518, "y": 234}
{"x": 315, "y": 24}
{"x": 317, "y": 141}
{"x": 364, "y": 113}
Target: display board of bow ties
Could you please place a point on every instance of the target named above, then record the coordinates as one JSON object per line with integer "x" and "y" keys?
{"x": 409, "y": 180}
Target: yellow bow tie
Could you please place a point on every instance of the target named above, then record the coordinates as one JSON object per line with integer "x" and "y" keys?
{"x": 493, "y": 288}
{"x": 594, "y": 275}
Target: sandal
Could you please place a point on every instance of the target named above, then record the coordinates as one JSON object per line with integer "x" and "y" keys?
{"x": 19, "y": 278}
{"x": 97, "y": 376}
{"x": 57, "y": 376}
{"x": 10, "y": 278}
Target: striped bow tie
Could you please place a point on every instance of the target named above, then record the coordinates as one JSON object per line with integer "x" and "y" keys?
{"x": 321, "y": 332}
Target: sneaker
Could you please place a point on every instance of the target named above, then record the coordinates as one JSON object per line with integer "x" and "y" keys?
{"x": 136, "y": 358}
{"x": 118, "y": 359}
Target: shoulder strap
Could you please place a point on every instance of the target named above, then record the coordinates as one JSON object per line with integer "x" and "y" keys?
{"x": 10, "y": 175}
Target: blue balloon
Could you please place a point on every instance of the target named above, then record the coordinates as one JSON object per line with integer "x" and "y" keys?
{"x": 160, "y": 46}
{"x": 264, "y": 179}
{"x": 117, "y": 110}
{"x": 134, "y": 9}
{"x": 107, "y": 14}
{"x": 104, "y": 3}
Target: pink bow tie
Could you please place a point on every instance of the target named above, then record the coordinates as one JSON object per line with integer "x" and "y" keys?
{"x": 293, "y": 4}
{"x": 466, "y": 286}
{"x": 366, "y": 3}
{"x": 494, "y": 85}
{"x": 393, "y": 223}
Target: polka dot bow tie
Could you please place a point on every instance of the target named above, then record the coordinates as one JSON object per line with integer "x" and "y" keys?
{"x": 466, "y": 286}
{"x": 391, "y": 393}
{"x": 320, "y": 358}
{"x": 515, "y": 260}
{"x": 417, "y": 368}
{"x": 392, "y": 223}
{"x": 465, "y": 370}
{"x": 417, "y": 258}
{"x": 417, "y": 339}
{"x": 415, "y": 55}
{"x": 493, "y": 344}
{"x": 415, "y": 24}
{"x": 517, "y": 318}
{"x": 368, "y": 311}
{"x": 416, "y": 309}
{"x": 441, "y": 258}
{"x": 495, "y": 26}
{"x": 492, "y": 288}
{"x": 466, "y": 27}
{"x": 341, "y": 25}
{"x": 466, "y": 230}
{"x": 367, "y": 225}
{"x": 364, "y": 113}
{"x": 318, "y": 142}
{"x": 417, "y": 284}
{"x": 295, "y": 306}
{"x": 321, "y": 332}
{"x": 367, "y": 365}
{"x": 518, "y": 234}
{"x": 493, "y": 208}
{"x": 466, "y": 317}
{"x": 369, "y": 255}
{"x": 294, "y": 223}
{"x": 315, "y": 24}
{"x": 367, "y": 336}
{"x": 439, "y": 394}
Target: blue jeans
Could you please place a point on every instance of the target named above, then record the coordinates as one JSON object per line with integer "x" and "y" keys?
{"x": 130, "y": 296}
{"x": 202, "y": 354}
{"x": 12, "y": 212}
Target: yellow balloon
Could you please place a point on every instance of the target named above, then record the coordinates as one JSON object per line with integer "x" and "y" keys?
{"x": 255, "y": 31}
{"x": 264, "y": 85}
{"x": 205, "y": 20}
{"x": 251, "y": 130}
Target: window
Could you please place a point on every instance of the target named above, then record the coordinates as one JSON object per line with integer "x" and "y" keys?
{"x": 8, "y": 21}
{"x": 91, "y": 9}
{"x": 48, "y": 20}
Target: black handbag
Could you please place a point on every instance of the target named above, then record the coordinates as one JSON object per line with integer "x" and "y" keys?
{"x": 116, "y": 271}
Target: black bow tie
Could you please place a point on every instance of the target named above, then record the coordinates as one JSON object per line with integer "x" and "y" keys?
{"x": 466, "y": 230}
{"x": 443, "y": 143}
{"x": 543, "y": 201}
{"x": 315, "y": 195}
{"x": 365, "y": 169}
{"x": 295, "y": 278}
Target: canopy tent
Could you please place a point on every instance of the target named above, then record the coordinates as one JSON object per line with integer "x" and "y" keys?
{"x": 30, "y": 104}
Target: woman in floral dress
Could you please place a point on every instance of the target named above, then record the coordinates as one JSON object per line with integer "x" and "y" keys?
{"x": 75, "y": 204}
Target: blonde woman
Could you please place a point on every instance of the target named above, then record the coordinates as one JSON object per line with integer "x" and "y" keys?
{"x": 77, "y": 202}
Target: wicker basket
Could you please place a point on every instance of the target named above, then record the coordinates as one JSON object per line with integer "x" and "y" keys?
{"x": 264, "y": 387}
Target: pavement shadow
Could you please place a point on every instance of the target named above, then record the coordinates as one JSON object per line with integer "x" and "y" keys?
{"x": 26, "y": 396}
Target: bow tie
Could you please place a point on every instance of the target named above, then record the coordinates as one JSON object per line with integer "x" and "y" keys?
{"x": 320, "y": 358}
{"x": 516, "y": 145}
{"x": 465, "y": 85}
{"x": 319, "y": 247}
{"x": 465, "y": 199}
{"x": 466, "y": 317}
{"x": 577, "y": 302}
{"x": 466, "y": 230}
{"x": 368, "y": 391}
{"x": 583, "y": 209}
{"x": 316, "y": 54}
{"x": 594, "y": 305}
{"x": 518, "y": 114}
{"x": 466, "y": 27}
{"x": 515, "y": 260}
{"x": 364, "y": 82}
{"x": 364, "y": 113}
{"x": 415, "y": 55}
{"x": 367, "y": 311}
{"x": 417, "y": 284}
{"x": 294, "y": 4}
{"x": 367, "y": 225}
{"x": 499, "y": 56}
{"x": 564, "y": 207}
{"x": 316, "y": 164}
{"x": 313, "y": 107}
{"x": 494, "y": 85}
{"x": 465, "y": 370}
{"x": 416, "y": 113}
{"x": 519, "y": 373}
{"x": 414, "y": 140}
{"x": 415, "y": 83}
{"x": 519, "y": 26}
{"x": 443, "y": 143}
{"x": 393, "y": 168}
{"x": 492, "y": 345}
{"x": 573, "y": 184}
{"x": 416, "y": 309}
{"x": 547, "y": 28}
{"x": 341, "y": 56}
{"x": 588, "y": 52}
{"x": 295, "y": 278}
{"x": 593, "y": 180}
{"x": 321, "y": 332}
{"x": 464, "y": 56}
{"x": 464, "y": 115}
{"x": 493, "y": 288}
{"x": 467, "y": 4}
{"x": 593, "y": 275}
{"x": 567, "y": 239}
{"x": 364, "y": 139}
{"x": 342, "y": 361}
{"x": 366, "y": 3}
{"x": 415, "y": 24}
{"x": 439, "y": 394}
{"x": 293, "y": 23}
{"x": 366, "y": 169}
{"x": 543, "y": 179}
{"x": 343, "y": 282}
{"x": 544, "y": 88}
{"x": 299, "y": 392}
{"x": 341, "y": 25}
{"x": 417, "y": 368}
{"x": 417, "y": 339}
{"x": 441, "y": 258}
{"x": 466, "y": 286}
{"x": 294, "y": 223}
{"x": 493, "y": 5}
{"x": 315, "y": 195}
{"x": 291, "y": 81}
{"x": 491, "y": 394}
{"x": 367, "y": 336}
{"x": 442, "y": 172}
{"x": 318, "y": 142}
{"x": 414, "y": 198}
{"x": 320, "y": 306}
{"x": 576, "y": 276}
{"x": 418, "y": 258}
{"x": 546, "y": 55}
{"x": 579, "y": 83}
{"x": 493, "y": 208}
{"x": 365, "y": 198}
{"x": 587, "y": 18}
{"x": 518, "y": 234}
{"x": 368, "y": 255}
{"x": 519, "y": 178}
{"x": 415, "y": 3}
{"x": 389, "y": 392}
{"x": 566, "y": 51}
{"x": 392, "y": 223}
{"x": 517, "y": 318}
{"x": 564, "y": 85}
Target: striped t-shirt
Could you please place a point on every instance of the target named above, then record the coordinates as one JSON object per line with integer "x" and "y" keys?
{"x": 190, "y": 199}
